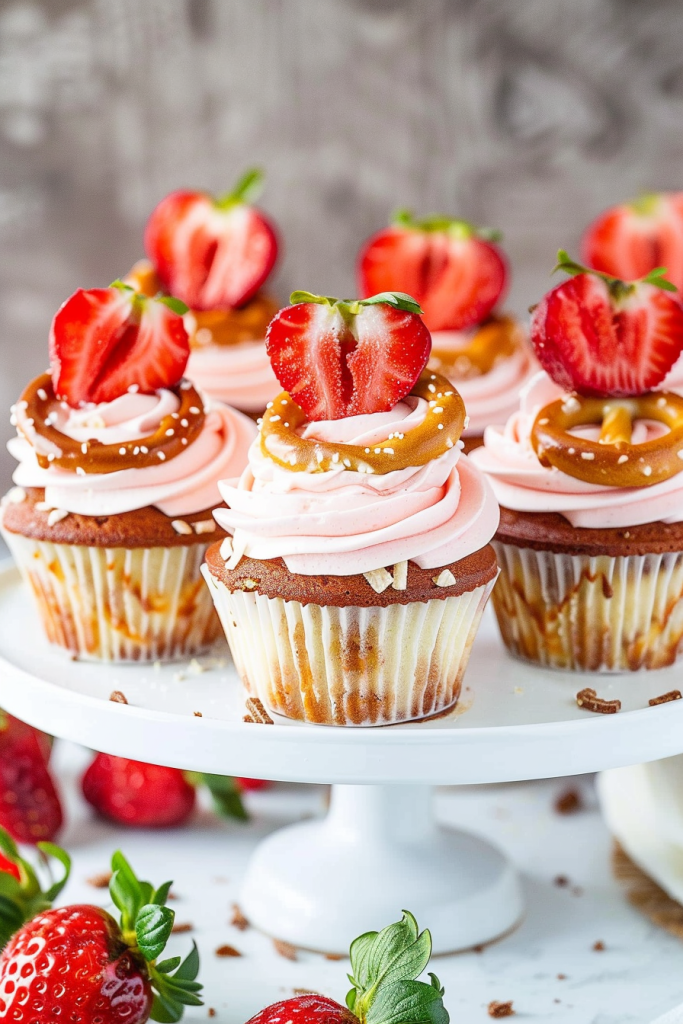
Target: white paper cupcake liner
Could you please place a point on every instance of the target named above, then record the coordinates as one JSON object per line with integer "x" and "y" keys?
{"x": 119, "y": 604}
{"x": 591, "y": 613}
{"x": 350, "y": 666}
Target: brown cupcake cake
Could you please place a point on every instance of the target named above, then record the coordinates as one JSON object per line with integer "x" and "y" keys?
{"x": 119, "y": 458}
{"x": 359, "y": 561}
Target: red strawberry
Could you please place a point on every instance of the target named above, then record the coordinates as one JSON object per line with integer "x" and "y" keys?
{"x": 340, "y": 359}
{"x": 385, "y": 966}
{"x": 106, "y": 340}
{"x": 22, "y": 896}
{"x": 152, "y": 796}
{"x": 30, "y": 809}
{"x": 630, "y": 240}
{"x": 212, "y": 253}
{"x": 252, "y": 785}
{"x": 450, "y": 267}
{"x": 601, "y": 336}
{"x": 78, "y": 964}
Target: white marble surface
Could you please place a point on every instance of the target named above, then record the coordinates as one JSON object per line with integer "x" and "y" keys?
{"x": 636, "y": 978}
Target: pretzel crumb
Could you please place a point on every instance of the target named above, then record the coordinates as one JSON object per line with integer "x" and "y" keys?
{"x": 181, "y": 927}
{"x": 599, "y": 946}
{"x": 101, "y": 880}
{"x": 444, "y": 579}
{"x": 180, "y": 526}
{"x": 497, "y": 1009}
{"x": 197, "y": 714}
{"x": 118, "y": 697}
{"x": 285, "y": 949}
{"x": 569, "y": 802}
{"x": 665, "y": 698}
{"x": 589, "y": 701}
{"x": 334, "y": 956}
{"x": 400, "y": 576}
{"x": 238, "y": 920}
{"x": 379, "y": 579}
{"x": 256, "y": 712}
{"x": 227, "y": 950}
{"x": 212, "y": 1012}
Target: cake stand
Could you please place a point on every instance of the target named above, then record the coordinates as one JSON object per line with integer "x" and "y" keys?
{"x": 318, "y": 884}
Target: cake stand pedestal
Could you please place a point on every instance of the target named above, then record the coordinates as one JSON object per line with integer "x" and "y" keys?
{"x": 319, "y": 884}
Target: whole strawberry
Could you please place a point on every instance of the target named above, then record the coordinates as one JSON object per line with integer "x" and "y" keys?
{"x": 385, "y": 967}
{"x": 78, "y": 964}
{"x": 21, "y": 894}
{"x": 30, "y": 808}
{"x": 153, "y": 796}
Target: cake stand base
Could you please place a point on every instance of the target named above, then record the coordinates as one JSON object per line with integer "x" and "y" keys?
{"x": 319, "y": 884}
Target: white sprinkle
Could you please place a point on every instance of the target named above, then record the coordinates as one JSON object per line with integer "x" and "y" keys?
{"x": 466, "y": 423}
{"x": 283, "y": 402}
{"x": 378, "y": 451}
{"x": 286, "y": 424}
{"x": 183, "y": 440}
{"x": 195, "y": 411}
{"x": 347, "y": 463}
{"x": 661, "y": 402}
{"x": 624, "y": 458}
{"x": 133, "y": 389}
{"x": 367, "y": 451}
{"x": 42, "y": 394}
{"x": 430, "y": 387}
{"x": 444, "y": 579}
{"x": 184, "y": 423}
{"x": 196, "y": 668}
{"x": 439, "y": 426}
{"x": 588, "y": 456}
{"x": 388, "y": 451}
{"x": 204, "y": 526}
{"x": 225, "y": 549}
{"x": 80, "y": 471}
{"x": 122, "y": 451}
{"x": 319, "y": 457}
{"x": 56, "y": 516}
{"x": 84, "y": 447}
{"x": 180, "y": 526}
{"x": 51, "y": 457}
{"x": 136, "y": 450}
{"x": 433, "y": 376}
{"x": 379, "y": 579}
{"x": 572, "y": 451}
{"x": 449, "y": 443}
{"x": 448, "y": 394}
{"x": 437, "y": 409}
{"x": 185, "y": 385}
{"x": 161, "y": 455}
{"x": 571, "y": 404}
{"x": 144, "y": 450}
{"x": 15, "y": 495}
{"x": 647, "y": 470}
{"x": 400, "y": 576}
{"x": 170, "y": 432}
{"x": 335, "y": 457}
{"x": 175, "y": 415}
{"x": 44, "y": 506}
{"x": 544, "y": 422}
{"x": 275, "y": 419}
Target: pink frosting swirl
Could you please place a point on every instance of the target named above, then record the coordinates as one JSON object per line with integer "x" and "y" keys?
{"x": 240, "y": 375}
{"x": 342, "y": 522}
{"x": 493, "y": 396}
{"x": 521, "y": 483}
{"x": 179, "y": 486}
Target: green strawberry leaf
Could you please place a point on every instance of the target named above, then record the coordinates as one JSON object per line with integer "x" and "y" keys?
{"x": 21, "y": 900}
{"x": 174, "y": 991}
{"x": 247, "y": 190}
{"x": 176, "y": 305}
{"x": 164, "y": 1010}
{"x": 160, "y": 895}
{"x": 322, "y": 300}
{"x": 227, "y": 798}
{"x": 50, "y": 851}
{"x": 189, "y": 969}
{"x": 12, "y": 917}
{"x": 658, "y": 279}
{"x": 374, "y": 953}
{"x": 408, "y": 1002}
{"x": 153, "y": 929}
{"x": 168, "y": 966}
{"x": 399, "y": 300}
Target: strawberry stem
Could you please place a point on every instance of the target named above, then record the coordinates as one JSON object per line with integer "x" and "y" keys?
{"x": 21, "y": 899}
{"x": 246, "y": 191}
{"x": 618, "y": 288}
{"x": 352, "y": 307}
{"x": 647, "y": 204}
{"x": 455, "y": 227}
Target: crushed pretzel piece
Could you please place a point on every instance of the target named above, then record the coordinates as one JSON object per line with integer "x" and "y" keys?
{"x": 379, "y": 579}
{"x": 179, "y": 928}
{"x": 400, "y": 576}
{"x": 285, "y": 949}
{"x": 497, "y": 1009}
{"x": 180, "y": 526}
{"x": 204, "y": 526}
{"x": 227, "y": 950}
{"x": 101, "y": 880}
{"x": 665, "y": 698}
{"x": 589, "y": 701}
{"x": 238, "y": 920}
{"x": 118, "y": 697}
{"x": 444, "y": 579}
{"x": 257, "y": 712}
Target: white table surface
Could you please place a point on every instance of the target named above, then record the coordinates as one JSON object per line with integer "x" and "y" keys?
{"x": 636, "y": 978}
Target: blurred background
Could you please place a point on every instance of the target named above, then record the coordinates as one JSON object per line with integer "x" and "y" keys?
{"x": 528, "y": 116}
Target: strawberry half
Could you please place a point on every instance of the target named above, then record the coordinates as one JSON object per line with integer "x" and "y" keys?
{"x": 342, "y": 358}
{"x": 212, "y": 253}
{"x": 452, "y": 268}
{"x": 630, "y": 240}
{"x": 30, "y": 808}
{"x": 605, "y": 337}
{"x": 103, "y": 341}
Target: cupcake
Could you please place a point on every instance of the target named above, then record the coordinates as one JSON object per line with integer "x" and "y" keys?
{"x": 119, "y": 460}
{"x": 630, "y": 240}
{"x": 459, "y": 276}
{"x": 589, "y": 477}
{"x": 215, "y": 255}
{"x": 359, "y": 561}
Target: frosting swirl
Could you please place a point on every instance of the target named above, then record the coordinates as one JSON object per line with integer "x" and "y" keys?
{"x": 343, "y": 522}
{"x": 178, "y": 485}
{"x": 490, "y": 396}
{"x": 521, "y": 483}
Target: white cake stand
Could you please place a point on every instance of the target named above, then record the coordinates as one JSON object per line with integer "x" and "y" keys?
{"x": 320, "y": 883}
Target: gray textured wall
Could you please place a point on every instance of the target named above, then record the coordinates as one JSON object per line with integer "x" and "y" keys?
{"x": 529, "y": 115}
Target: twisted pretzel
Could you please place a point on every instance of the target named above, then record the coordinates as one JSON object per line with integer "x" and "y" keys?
{"x": 497, "y": 338}
{"x": 439, "y": 431}
{"x": 613, "y": 460}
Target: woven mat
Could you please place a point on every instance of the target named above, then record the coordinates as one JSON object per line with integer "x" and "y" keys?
{"x": 645, "y": 895}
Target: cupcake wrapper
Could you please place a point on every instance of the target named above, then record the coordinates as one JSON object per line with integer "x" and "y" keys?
{"x": 350, "y": 666}
{"x": 119, "y": 604}
{"x": 590, "y": 613}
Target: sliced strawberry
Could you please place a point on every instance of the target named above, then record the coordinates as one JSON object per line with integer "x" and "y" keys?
{"x": 340, "y": 359}
{"x": 450, "y": 267}
{"x": 212, "y": 253}
{"x": 605, "y": 337}
{"x": 30, "y": 808}
{"x": 630, "y": 240}
{"x": 105, "y": 340}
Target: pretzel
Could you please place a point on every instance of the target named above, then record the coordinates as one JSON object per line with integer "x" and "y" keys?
{"x": 170, "y": 438}
{"x": 439, "y": 431}
{"x": 613, "y": 460}
{"x": 497, "y": 338}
